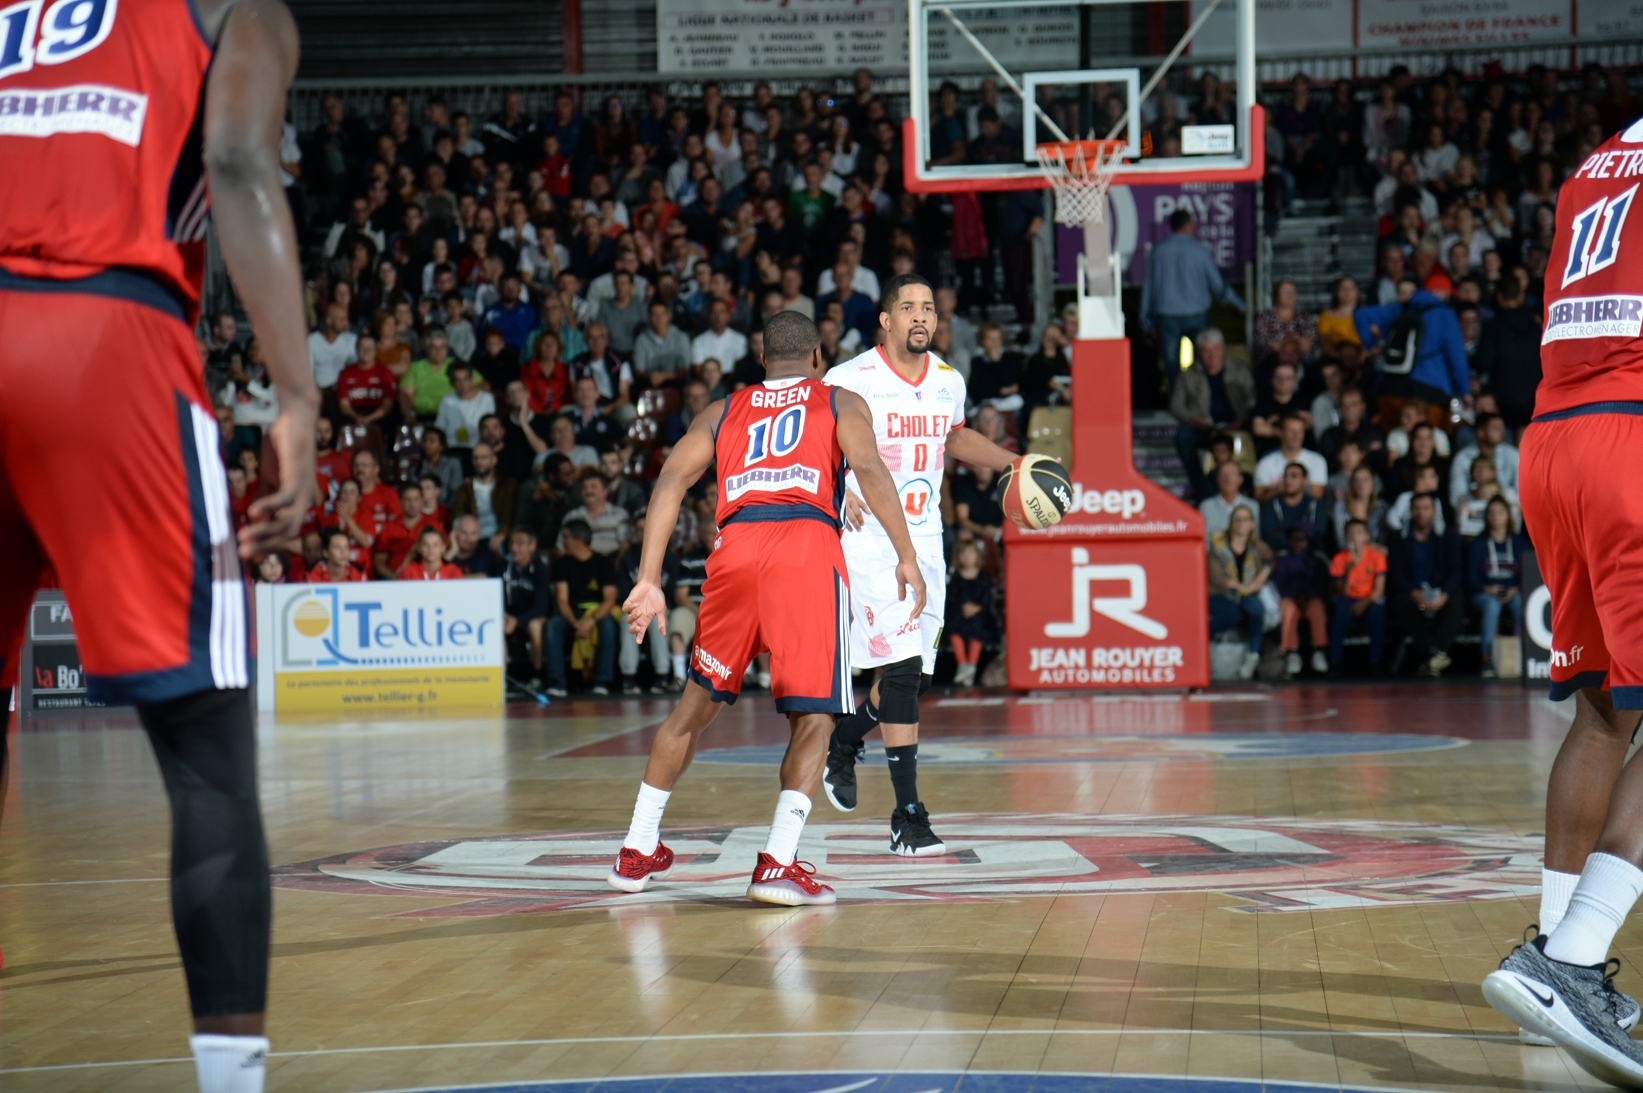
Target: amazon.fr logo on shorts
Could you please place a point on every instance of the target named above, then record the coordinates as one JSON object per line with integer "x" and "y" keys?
{"x": 709, "y": 663}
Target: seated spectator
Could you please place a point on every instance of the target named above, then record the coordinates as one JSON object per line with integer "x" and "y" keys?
{"x": 661, "y": 352}
{"x": 610, "y": 528}
{"x": 1336, "y": 325}
{"x": 1326, "y": 404}
{"x": 498, "y": 362}
{"x": 488, "y": 496}
{"x": 1352, "y": 427}
{"x": 1495, "y": 577}
{"x": 989, "y": 422}
{"x": 584, "y": 584}
{"x": 545, "y": 376}
{"x": 459, "y": 332}
{"x": 1217, "y": 509}
{"x": 1301, "y": 576}
{"x": 1423, "y": 452}
{"x": 433, "y": 508}
{"x": 1291, "y": 450}
{"x": 1239, "y": 564}
{"x": 1428, "y": 579}
{"x": 1427, "y": 480}
{"x": 627, "y": 575}
{"x": 942, "y": 345}
{"x": 1292, "y": 503}
{"x": 399, "y": 537}
{"x": 1491, "y": 444}
{"x": 461, "y": 410}
{"x": 510, "y": 313}
{"x": 1282, "y": 396}
{"x": 1359, "y": 500}
{"x": 1046, "y": 378}
{"x": 678, "y": 423}
{"x": 378, "y": 501}
{"x": 330, "y": 464}
{"x": 276, "y": 567}
{"x": 427, "y": 381}
{"x": 331, "y": 348}
{"x": 365, "y": 389}
{"x": 1468, "y": 235}
{"x": 241, "y": 493}
{"x": 970, "y": 623}
{"x": 1412, "y": 412}
{"x": 527, "y": 600}
{"x": 995, "y": 373}
{"x": 1284, "y": 319}
{"x": 713, "y": 378}
{"x": 335, "y": 566}
{"x": 622, "y": 491}
{"x": 623, "y": 315}
{"x": 562, "y": 439}
{"x": 469, "y": 551}
{"x": 861, "y": 312}
{"x": 429, "y": 563}
{"x": 613, "y": 375}
{"x": 1213, "y": 395}
{"x": 1360, "y": 593}
{"x": 975, "y": 504}
{"x": 594, "y": 429}
{"x": 547, "y": 497}
{"x": 718, "y": 341}
{"x": 1436, "y": 159}
{"x": 1484, "y": 488}
{"x": 436, "y": 462}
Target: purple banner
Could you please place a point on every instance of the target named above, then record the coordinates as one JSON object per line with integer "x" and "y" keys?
{"x": 1226, "y": 223}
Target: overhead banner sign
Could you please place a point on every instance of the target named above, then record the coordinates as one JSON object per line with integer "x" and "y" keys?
{"x": 379, "y": 645}
{"x": 806, "y": 35}
{"x": 1423, "y": 24}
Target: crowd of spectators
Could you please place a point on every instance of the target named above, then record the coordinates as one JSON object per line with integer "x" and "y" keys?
{"x": 513, "y": 319}
{"x": 1384, "y": 428}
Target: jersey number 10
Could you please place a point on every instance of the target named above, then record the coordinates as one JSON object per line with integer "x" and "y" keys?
{"x": 776, "y": 436}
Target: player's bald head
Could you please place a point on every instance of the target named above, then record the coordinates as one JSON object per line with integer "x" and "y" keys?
{"x": 790, "y": 341}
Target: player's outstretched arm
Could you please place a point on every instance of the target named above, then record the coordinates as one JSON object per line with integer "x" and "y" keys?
{"x": 685, "y": 464}
{"x": 861, "y": 448}
{"x": 244, "y": 110}
{"x": 968, "y": 446}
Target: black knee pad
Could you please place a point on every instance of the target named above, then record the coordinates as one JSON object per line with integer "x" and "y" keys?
{"x": 220, "y": 904}
{"x": 899, "y": 690}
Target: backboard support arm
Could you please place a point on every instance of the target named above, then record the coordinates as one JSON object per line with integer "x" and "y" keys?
{"x": 1003, "y": 73}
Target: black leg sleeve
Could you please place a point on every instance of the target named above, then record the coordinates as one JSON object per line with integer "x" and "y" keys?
{"x": 220, "y": 903}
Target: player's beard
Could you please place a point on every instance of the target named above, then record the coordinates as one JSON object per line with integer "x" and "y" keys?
{"x": 912, "y": 346}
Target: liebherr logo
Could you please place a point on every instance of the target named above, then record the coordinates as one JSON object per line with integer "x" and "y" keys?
{"x": 1125, "y": 609}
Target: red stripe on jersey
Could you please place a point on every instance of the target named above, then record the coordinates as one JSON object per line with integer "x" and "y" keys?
{"x": 100, "y": 137}
{"x": 779, "y": 446}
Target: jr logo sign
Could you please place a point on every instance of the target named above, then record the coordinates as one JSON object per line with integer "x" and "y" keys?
{"x": 1125, "y": 609}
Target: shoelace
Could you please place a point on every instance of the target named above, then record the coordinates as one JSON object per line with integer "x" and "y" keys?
{"x": 799, "y": 872}
{"x": 1613, "y": 995}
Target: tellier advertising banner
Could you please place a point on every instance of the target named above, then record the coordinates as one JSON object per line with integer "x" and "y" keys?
{"x": 379, "y": 645}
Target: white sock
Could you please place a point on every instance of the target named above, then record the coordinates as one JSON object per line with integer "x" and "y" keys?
{"x": 1608, "y": 887}
{"x": 792, "y": 809}
{"x": 645, "y": 832}
{"x": 678, "y": 665}
{"x": 229, "y": 1064}
{"x": 1555, "y": 890}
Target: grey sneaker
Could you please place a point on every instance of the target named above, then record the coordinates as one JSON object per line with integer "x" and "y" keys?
{"x": 1576, "y": 1007}
{"x": 1626, "y": 1006}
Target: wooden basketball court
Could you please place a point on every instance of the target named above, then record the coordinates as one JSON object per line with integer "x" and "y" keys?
{"x": 1214, "y": 892}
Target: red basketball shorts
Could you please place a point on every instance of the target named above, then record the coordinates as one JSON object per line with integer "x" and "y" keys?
{"x": 778, "y": 587}
{"x": 1583, "y": 507}
{"x": 110, "y": 474}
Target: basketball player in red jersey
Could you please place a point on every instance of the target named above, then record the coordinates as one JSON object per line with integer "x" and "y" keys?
{"x": 776, "y": 582}
{"x": 1584, "y": 507}
{"x": 121, "y": 126}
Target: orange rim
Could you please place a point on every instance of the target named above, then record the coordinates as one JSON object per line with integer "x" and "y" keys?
{"x": 1090, "y": 149}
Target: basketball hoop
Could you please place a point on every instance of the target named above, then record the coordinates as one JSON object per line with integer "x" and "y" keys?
{"x": 1081, "y": 172}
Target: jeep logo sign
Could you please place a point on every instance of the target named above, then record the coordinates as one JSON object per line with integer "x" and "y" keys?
{"x": 1121, "y": 503}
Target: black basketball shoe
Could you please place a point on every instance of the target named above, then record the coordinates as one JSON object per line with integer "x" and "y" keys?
{"x": 910, "y": 834}
{"x": 839, "y": 779}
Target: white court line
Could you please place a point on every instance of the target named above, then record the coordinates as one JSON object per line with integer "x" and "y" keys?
{"x": 59, "y": 883}
{"x": 697, "y": 1036}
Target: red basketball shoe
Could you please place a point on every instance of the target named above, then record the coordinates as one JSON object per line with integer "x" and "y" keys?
{"x": 634, "y": 870}
{"x": 788, "y": 885}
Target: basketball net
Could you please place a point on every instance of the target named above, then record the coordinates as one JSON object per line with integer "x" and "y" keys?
{"x": 1081, "y": 171}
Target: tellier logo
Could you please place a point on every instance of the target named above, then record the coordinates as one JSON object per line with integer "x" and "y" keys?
{"x": 1125, "y": 609}
{"x": 323, "y": 629}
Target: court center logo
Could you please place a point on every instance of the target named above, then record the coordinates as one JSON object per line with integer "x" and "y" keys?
{"x": 1266, "y": 865}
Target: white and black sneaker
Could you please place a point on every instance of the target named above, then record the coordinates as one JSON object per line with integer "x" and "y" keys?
{"x": 910, "y": 834}
{"x": 839, "y": 779}
{"x": 1577, "y": 1007}
{"x": 1627, "y": 1009}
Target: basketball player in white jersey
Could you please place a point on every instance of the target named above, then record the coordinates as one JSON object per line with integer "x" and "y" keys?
{"x": 917, "y": 403}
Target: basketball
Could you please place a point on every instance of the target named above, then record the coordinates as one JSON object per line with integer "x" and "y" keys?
{"x": 1035, "y": 492}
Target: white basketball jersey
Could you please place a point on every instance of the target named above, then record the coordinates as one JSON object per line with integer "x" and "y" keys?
{"x": 911, "y": 419}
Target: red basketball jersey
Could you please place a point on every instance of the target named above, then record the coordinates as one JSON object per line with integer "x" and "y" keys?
{"x": 777, "y": 448}
{"x": 1592, "y": 345}
{"x": 101, "y": 105}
